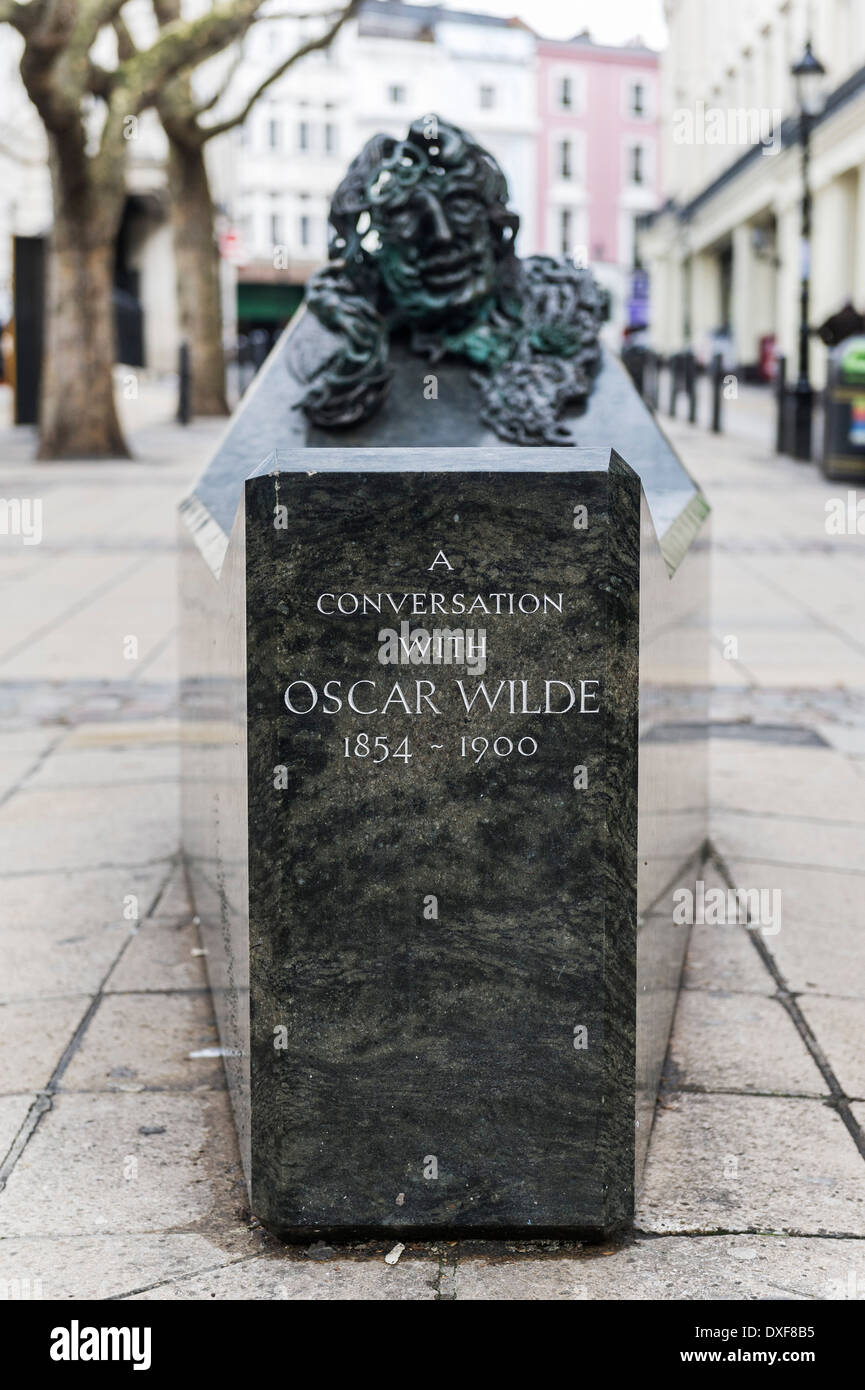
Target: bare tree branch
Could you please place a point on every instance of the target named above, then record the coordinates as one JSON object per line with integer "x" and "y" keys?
{"x": 310, "y": 46}
{"x": 181, "y": 46}
{"x": 22, "y": 17}
{"x": 126, "y": 46}
{"x": 100, "y": 81}
{"x": 199, "y": 110}
{"x": 296, "y": 14}
{"x": 89, "y": 17}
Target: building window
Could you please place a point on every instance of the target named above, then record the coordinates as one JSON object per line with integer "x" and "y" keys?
{"x": 273, "y": 134}
{"x": 566, "y": 93}
{"x": 487, "y": 98}
{"x": 636, "y": 164}
{"x": 566, "y": 163}
{"x": 396, "y": 95}
{"x": 275, "y": 228}
{"x": 566, "y": 229}
{"x": 636, "y": 99}
{"x": 329, "y": 138}
{"x": 303, "y": 135}
{"x": 304, "y": 229}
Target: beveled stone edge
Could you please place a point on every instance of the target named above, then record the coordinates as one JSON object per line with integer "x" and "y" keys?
{"x": 446, "y": 458}
{"x": 209, "y": 537}
{"x": 676, "y": 541}
{"x": 205, "y": 531}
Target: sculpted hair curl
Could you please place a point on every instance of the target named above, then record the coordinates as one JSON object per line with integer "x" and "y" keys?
{"x": 423, "y": 244}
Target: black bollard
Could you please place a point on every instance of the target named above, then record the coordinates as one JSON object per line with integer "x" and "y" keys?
{"x": 781, "y": 399}
{"x": 184, "y": 413}
{"x": 634, "y": 359}
{"x": 691, "y": 385}
{"x": 674, "y": 381}
{"x": 655, "y": 378}
{"x": 717, "y": 386}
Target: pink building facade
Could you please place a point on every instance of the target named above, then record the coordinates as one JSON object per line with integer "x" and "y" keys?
{"x": 598, "y": 154}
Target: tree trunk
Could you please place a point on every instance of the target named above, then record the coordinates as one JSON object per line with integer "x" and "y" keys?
{"x": 198, "y": 289}
{"x": 78, "y": 416}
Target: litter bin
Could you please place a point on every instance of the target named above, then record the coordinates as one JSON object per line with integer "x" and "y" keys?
{"x": 844, "y": 416}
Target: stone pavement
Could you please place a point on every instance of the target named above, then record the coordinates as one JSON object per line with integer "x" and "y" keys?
{"x": 120, "y": 1175}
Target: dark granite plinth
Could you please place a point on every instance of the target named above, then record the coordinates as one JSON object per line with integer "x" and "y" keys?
{"x": 370, "y": 1044}
{"x": 433, "y": 920}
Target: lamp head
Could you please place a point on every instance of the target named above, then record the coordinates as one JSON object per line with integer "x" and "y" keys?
{"x": 809, "y": 73}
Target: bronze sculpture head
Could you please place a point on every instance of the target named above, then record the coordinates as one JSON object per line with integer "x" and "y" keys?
{"x": 438, "y": 207}
{"x": 423, "y": 244}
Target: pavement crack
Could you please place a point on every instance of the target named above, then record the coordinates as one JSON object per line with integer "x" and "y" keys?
{"x": 73, "y": 610}
{"x": 445, "y": 1282}
{"x": 45, "y": 1099}
{"x": 788, "y": 1233}
{"x": 838, "y": 1098}
{"x": 180, "y": 1278}
{"x": 34, "y": 767}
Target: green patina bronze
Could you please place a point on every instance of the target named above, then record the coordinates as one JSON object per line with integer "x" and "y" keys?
{"x": 423, "y": 246}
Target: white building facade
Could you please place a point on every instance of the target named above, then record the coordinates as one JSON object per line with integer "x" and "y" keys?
{"x": 394, "y": 63}
{"x": 725, "y": 252}
{"x": 273, "y": 178}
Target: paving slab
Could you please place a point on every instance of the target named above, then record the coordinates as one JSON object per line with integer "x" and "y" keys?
{"x": 61, "y": 932}
{"x": 839, "y": 1024}
{"x": 70, "y": 767}
{"x": 13, "y": 1113}
{"x": 821, "y": 946}
{"x": 845, "y": 738}
{"x": 676, "y": 1267}
{"x": 817, "y": 658}
{"x": 174, "y": 902}
{"x": 128, "y": 733}
{"x": 164, "y": 954}
{"x": 772, "y": 840}
{"x": 20, "y": 756}
{"x": 33, "y": 1036}
{"x": 819, "y": 585}
{"x": 60, "y": 586}
{"x": 723, "y": 958}
{"x": 122, "y": 1163}
{"x": 111, "y": 632}
{"x": 97, "y": 1267}
{"x": 48, "y": 829}
{"x": 141, "y": 1042}
{"x": 282, "y": 1279}
{"x": 764, "y": 779}
{"x": 742, "y": 1163}
{"x": 740, "y": 1043}
{"x": 163, "y": 663}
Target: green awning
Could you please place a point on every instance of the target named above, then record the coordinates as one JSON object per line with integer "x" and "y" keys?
{"x": 853, "y": 361}
{"x": 274, "y": 303}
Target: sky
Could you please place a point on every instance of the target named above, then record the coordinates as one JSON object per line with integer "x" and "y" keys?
{"x": 612, "y": 22}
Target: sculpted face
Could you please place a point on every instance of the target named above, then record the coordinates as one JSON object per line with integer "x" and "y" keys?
{"x": 424, "y": 240}
{"x": 436, "y": 249}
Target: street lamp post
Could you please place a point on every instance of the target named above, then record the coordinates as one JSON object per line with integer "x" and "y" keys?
{"x": 808, "y": 73}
